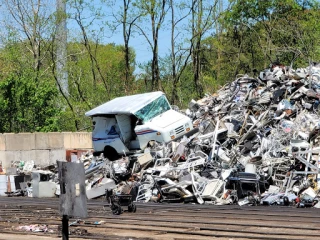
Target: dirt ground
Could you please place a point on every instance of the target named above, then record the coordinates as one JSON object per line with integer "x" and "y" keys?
{"x": 159, "y": 221}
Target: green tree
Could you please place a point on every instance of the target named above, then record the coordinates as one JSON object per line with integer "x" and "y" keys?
{"x": 257, "y": 33}
{"x": 95, "y": 76}
{"x": 27, "y": 102}
{"x": 124, "y": 17}
{"x": 152, "y": 12}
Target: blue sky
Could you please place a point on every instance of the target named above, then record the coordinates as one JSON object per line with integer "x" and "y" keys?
{"x": 137, "y": 42}
{"x": 93, "y": 8}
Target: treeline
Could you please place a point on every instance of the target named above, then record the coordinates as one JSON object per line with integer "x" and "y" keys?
{"x": 211, "y": 42}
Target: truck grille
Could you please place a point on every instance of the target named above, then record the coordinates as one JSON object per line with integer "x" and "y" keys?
{"x": 179, "y": 130}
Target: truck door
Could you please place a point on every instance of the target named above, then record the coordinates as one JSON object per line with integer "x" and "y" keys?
{"x": 124, "y": 123}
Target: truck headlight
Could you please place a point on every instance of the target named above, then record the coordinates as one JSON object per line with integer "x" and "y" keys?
{"x": 172, "y": 136}
{"x": 187, "y": 127}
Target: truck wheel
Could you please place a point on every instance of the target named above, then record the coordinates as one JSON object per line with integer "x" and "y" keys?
{"x": 286, "y": 201}
{"x": 132, "y": 208}
{"x": 110, "y": 153}
{"x": 116, "y": 209}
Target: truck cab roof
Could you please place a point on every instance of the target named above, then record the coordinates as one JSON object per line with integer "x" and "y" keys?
{"x": 125, "y": 105}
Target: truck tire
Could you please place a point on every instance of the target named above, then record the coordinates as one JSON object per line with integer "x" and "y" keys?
{"x": 110, "y": 153}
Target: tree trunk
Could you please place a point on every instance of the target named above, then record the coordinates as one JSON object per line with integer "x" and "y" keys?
{"x": 126, "y": 46}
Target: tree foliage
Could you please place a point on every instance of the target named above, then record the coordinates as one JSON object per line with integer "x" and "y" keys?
{"x": 210, "y": 44}
{"x": 27, "y": 102}
{"x": 258, "y": 33}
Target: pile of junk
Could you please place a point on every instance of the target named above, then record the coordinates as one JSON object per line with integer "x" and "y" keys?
{"x": 258, "y": 143}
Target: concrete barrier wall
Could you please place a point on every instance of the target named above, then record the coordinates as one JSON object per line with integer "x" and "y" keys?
{"x": 42, "y": 148}
{"x": 50, "y": 140}
{"x": 2, "y": 142}
{"x": 80, "y": 140}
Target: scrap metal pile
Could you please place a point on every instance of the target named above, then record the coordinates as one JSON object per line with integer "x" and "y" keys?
{"x": 257, "y": 144}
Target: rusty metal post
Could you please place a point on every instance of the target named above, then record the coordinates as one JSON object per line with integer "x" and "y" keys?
{"x": 8, "y": 184}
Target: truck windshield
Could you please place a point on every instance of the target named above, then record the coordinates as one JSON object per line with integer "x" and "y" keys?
{"x": 153, "y": 109}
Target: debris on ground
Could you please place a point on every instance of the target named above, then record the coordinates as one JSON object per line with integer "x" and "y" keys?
{"x": 34, "y": 228}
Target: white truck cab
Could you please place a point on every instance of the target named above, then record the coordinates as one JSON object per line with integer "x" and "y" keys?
{"x": 129, "y": 123}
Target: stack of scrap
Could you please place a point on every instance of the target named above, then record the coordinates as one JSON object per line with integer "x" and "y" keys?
{"x": 258, "y": 143}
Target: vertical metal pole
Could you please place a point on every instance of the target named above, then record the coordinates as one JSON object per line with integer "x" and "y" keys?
{"x": 65, "y": 227}
{"x": 61, "y": 38}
